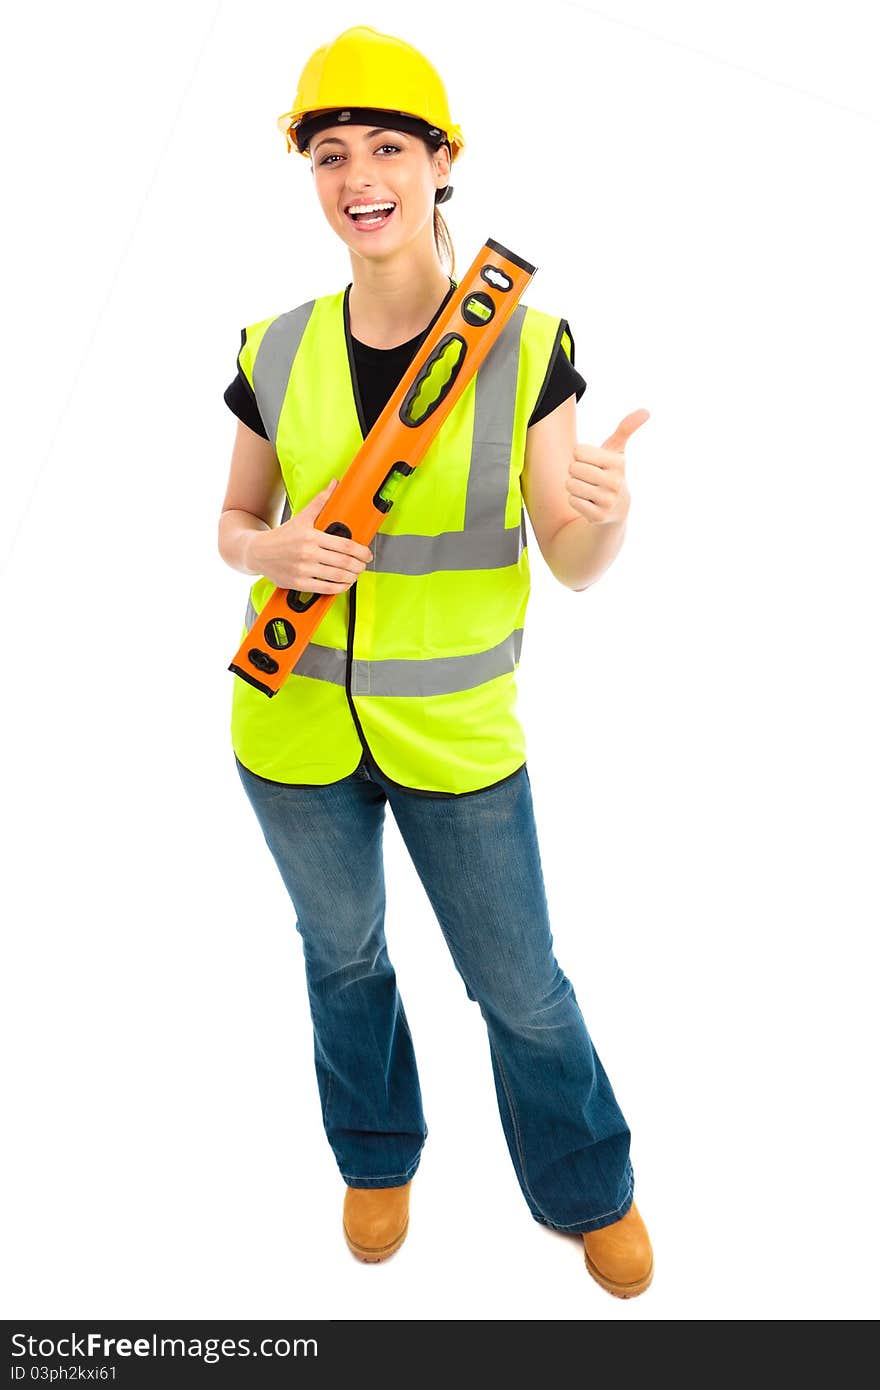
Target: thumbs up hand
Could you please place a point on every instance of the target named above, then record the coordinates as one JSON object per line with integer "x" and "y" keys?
{"x": 596, "y": 481}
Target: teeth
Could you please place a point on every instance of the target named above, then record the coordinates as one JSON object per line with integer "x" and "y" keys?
{"x": 369, "y": 207}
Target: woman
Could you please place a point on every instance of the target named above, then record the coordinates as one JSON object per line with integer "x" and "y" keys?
{"x": 405, "y": 693}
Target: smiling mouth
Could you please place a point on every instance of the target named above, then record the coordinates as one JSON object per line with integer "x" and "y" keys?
{"x": 369, "y": 220}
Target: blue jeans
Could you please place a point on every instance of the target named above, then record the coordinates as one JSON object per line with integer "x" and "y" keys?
{"x": 477, "y": 857}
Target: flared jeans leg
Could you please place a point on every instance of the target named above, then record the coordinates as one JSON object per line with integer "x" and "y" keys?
{"x": 478, "y": 859}
{"x": 327, "y": 844}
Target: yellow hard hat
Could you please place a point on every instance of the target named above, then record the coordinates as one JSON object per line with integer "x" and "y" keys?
{"x": 363, "y": 77}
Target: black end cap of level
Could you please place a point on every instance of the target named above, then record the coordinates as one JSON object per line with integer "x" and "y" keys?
{"x": 511, "y": 256}
{"x": 252, "y": 680}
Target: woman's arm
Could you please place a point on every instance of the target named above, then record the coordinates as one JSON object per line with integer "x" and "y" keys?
{"x": 577, "y": 551}
{"x": 253, "y": 498}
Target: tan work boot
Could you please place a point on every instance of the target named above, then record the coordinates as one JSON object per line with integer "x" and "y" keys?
{"x": 375, "y": 1220}
{"x": 620, "y": 1257}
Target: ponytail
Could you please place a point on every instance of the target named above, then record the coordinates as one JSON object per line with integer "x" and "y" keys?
{"x": 443, "y": 241}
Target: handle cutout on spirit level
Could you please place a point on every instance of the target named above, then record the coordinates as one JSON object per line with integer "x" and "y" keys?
{"x": 263, "y": 661}
{"x": 434, "y": 381}
{"x": 498, "y": 279}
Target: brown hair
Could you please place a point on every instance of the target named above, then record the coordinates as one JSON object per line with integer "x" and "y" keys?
{"x": 443, "y": 241}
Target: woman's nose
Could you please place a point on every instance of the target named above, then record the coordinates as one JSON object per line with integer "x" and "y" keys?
{"x": 358, "y": 173}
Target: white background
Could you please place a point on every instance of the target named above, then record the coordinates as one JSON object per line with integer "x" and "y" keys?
{"x": 697, "y": 185}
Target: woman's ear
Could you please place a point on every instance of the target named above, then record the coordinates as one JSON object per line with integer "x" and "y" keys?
{"x": 442, "y": 164}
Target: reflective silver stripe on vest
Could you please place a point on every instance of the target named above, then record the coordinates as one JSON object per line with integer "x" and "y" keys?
{"x": 494, "y": 407}
{"x": 451, "y": 550}
{"x": 442, "y": 675}
{"x": 274, "y": 359}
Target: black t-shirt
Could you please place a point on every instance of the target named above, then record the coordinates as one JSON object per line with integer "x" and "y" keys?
{"x": 380, "y": 371}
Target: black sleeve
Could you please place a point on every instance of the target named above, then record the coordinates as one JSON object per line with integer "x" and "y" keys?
{"x": 239, "y": 396}
{"x": 562, "y": 381}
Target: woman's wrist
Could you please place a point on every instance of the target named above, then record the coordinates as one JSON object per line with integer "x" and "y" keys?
{"x": 240, "y": 543}
{"x": 252, "y": 546}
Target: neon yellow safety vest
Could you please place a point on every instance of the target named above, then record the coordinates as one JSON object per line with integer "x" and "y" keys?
{"x": 415, "y": 664}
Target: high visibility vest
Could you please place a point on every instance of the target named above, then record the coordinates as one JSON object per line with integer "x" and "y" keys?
{"x": 415, "y": 664}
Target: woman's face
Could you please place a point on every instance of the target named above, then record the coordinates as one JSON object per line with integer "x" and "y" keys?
{"x": 358, "y": 165}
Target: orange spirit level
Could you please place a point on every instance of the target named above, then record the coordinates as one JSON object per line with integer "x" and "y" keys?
{"x": 435, "y": 379}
